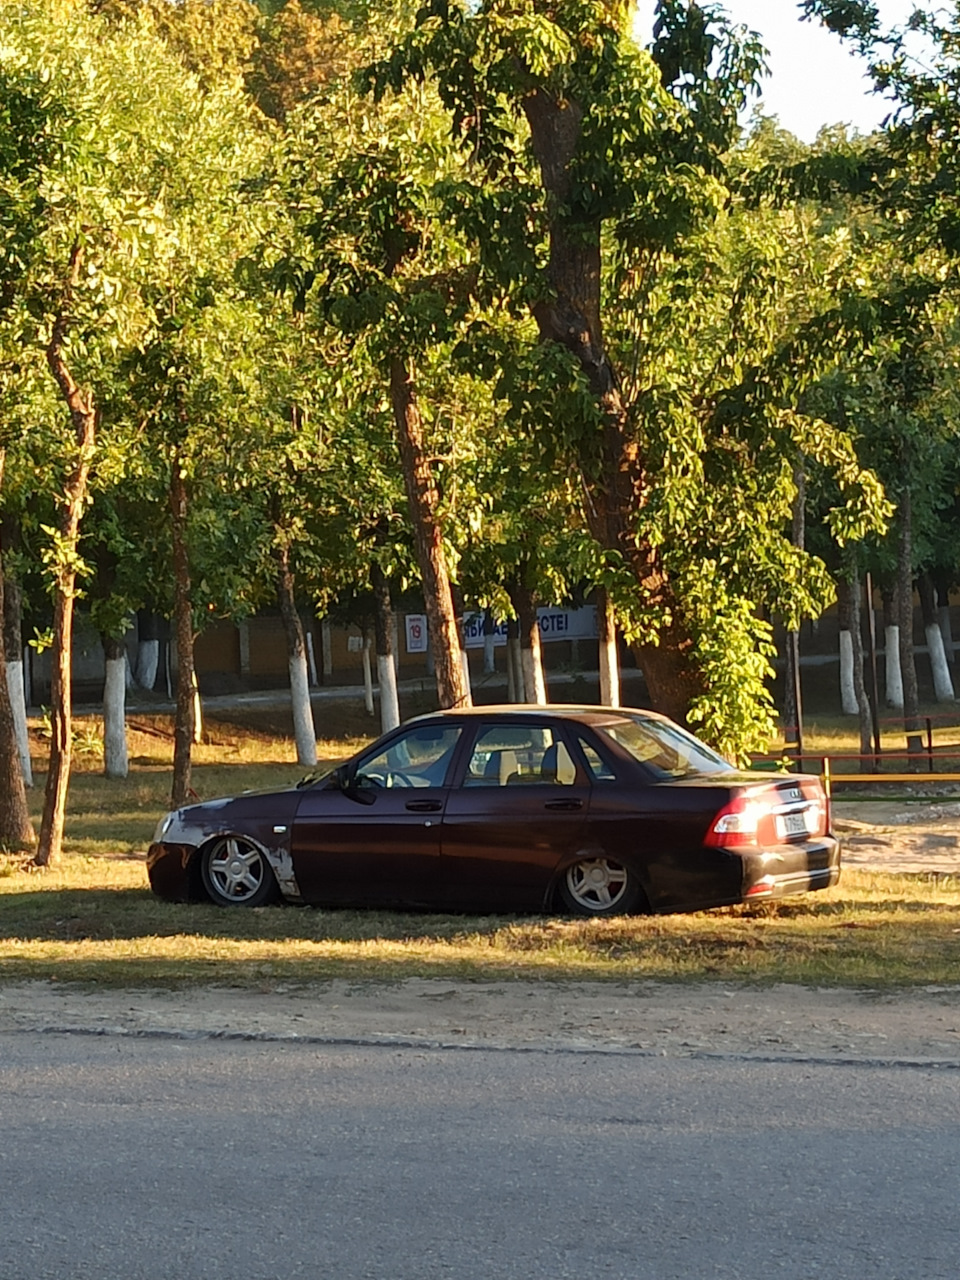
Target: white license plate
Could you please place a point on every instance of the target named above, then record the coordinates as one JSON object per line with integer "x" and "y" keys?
{"x": 792, "y": 824}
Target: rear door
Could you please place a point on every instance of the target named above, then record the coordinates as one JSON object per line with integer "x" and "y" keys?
{"x": 519, "y": 808}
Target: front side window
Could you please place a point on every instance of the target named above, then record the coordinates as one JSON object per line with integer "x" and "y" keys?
{"x": 519, "y": 755}
{"x": 418, "y": 758}
{"x": 665, "y": 749}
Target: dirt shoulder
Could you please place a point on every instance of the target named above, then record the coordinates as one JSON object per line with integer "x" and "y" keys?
{"x": 908, "y": 836}
{"x": 645, "y": 1017}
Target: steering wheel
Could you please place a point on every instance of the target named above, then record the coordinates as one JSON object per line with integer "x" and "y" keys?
{"x": 388, "y": 779}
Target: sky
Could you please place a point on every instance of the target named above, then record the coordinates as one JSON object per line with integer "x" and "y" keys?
{"x": 814, "y": 81}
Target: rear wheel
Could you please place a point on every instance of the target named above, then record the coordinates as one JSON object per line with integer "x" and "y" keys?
{"x": 600, "y": 887}
{"x": 235, "y": 873}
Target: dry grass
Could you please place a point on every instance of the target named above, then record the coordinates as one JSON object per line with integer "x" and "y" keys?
{"x": 93, "y": 918}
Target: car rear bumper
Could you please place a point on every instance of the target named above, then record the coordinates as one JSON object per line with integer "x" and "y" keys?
{"x": 788, "y": 869}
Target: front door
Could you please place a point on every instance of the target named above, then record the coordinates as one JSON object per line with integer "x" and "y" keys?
{"x": 386, "y": 851}
{"x": 519, "y": 810}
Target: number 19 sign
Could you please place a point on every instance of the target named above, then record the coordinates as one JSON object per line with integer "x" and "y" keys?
{"x": 416, "y": 625}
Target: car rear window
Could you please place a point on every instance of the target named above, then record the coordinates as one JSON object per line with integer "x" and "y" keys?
{"x": 665, "y": 749}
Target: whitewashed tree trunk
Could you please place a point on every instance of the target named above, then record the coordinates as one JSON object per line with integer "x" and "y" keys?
{"x": 489, "y": 644}
{"x": 946, "y": 631}
{"x": 243, "y": 640}
{"x": 389, "y": 699}
{"x": 531, "y": 674}
{"x": 311, "y": 660}
{"x": 395, "y": 641}
{"x": 148, "y": 661}
{"x": 385, "y": 635}
{"x": 115, "y": 760}
{"x": 893, "y": 678}
{"x": 197, "y": 712}
{"x": 465, "y": 663}
{"x": 304, "y": 731}
{"x": 534, "y": 684}
{"x": 942, "y": 683}
{"x": 367, "y": 676}
{"x": 18, "y": 705}
{"x": 512, "y": 644}
{"x": 326, "y": 644}
{"x": 609, "y": 658}
{"x": 848, "y": 692}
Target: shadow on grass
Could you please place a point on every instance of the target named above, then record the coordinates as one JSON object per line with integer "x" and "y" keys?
{"x": 131, "y": 913}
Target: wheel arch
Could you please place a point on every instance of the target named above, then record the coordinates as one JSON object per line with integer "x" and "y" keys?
{"x": 278, "y": 862}
{"x": 553, "y": 903}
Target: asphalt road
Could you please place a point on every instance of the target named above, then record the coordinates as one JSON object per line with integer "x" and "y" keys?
{"x": 196, "y": 1158}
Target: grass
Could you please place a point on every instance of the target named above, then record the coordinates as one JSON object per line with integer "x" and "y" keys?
{"x": 93, "y": 919}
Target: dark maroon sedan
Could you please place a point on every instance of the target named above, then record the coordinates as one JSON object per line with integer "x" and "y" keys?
{"x": 592, "y": 810}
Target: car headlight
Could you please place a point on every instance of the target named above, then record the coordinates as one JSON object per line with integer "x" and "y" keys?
{"x": 163, "y": 826}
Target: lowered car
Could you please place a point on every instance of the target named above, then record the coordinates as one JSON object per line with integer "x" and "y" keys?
{"x": 591, "y": 810}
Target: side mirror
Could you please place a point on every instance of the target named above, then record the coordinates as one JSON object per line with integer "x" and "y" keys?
{"x": 346, "y": 779}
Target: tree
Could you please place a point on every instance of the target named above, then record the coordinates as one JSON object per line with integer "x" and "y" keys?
{"x": 598, "y": 194}
{"x": 371, "y": 260}
{"x": 120, "y": 199}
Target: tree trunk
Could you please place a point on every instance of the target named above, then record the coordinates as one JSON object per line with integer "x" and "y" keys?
{"x": 367, "y": 677}
{"x": 848, "y": 694}
{"x": 13, "y": 652}
{"x": 569, "y": 314}
{"x": 386, "y": 667}
{"x": 939, "y": 666}
{"x": 792, "y": 697}
{"x": 148, "y": 648}
{"x": 83, "y": 418}
{"x": 908, "y": 670}
{"x": 489, "y": 643}
{"x": 423, "y": 500}
{"x": 16, "y": 829}
{"x": 115, "y": 761}
{"x": 859, "y": 683}
{"x": 304, "y": 732}
{"x": 609, "y": 658}
{"x": 185, "y": 724}
{"x": 942, "y": 582}
{"x": 514, "y": 662}
{"x": 892, "y": 675}
{"x": 534, "y": 686}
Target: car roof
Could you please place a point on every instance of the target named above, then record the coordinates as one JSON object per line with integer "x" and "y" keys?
{"x": 589, "y": 713}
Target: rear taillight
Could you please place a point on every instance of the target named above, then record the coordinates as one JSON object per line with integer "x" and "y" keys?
{"x": 738, "y": 822}
{"x": 774, "y": 815}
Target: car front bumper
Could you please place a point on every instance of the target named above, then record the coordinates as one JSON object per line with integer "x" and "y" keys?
{"x": 171, "y": 872}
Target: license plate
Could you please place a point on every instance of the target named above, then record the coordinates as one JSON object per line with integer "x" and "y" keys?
{"x": 792, "y": 824}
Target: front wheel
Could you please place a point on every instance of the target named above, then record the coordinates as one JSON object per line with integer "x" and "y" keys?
{"x": 235, "y": 873}
{"x": 600, "y": 887}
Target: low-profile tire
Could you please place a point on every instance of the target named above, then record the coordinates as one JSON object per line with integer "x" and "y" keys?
{"x": 235, "y": 873}
{"x": 601, "y": 887}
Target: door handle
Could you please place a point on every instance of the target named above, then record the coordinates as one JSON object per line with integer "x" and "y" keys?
{"x": 424, "y": 806}
{"x": 567, "y": 805}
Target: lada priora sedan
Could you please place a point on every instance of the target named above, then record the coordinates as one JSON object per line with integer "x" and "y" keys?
{"x": 592, "y": 810}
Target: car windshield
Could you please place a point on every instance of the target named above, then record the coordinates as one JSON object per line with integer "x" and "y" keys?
{"x": 665, "y": 749}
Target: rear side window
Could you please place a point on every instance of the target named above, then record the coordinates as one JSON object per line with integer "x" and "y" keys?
{"x": 600, "y": 771}
{"x": 519, "y": 755}
{"x": 665, "y": 749}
